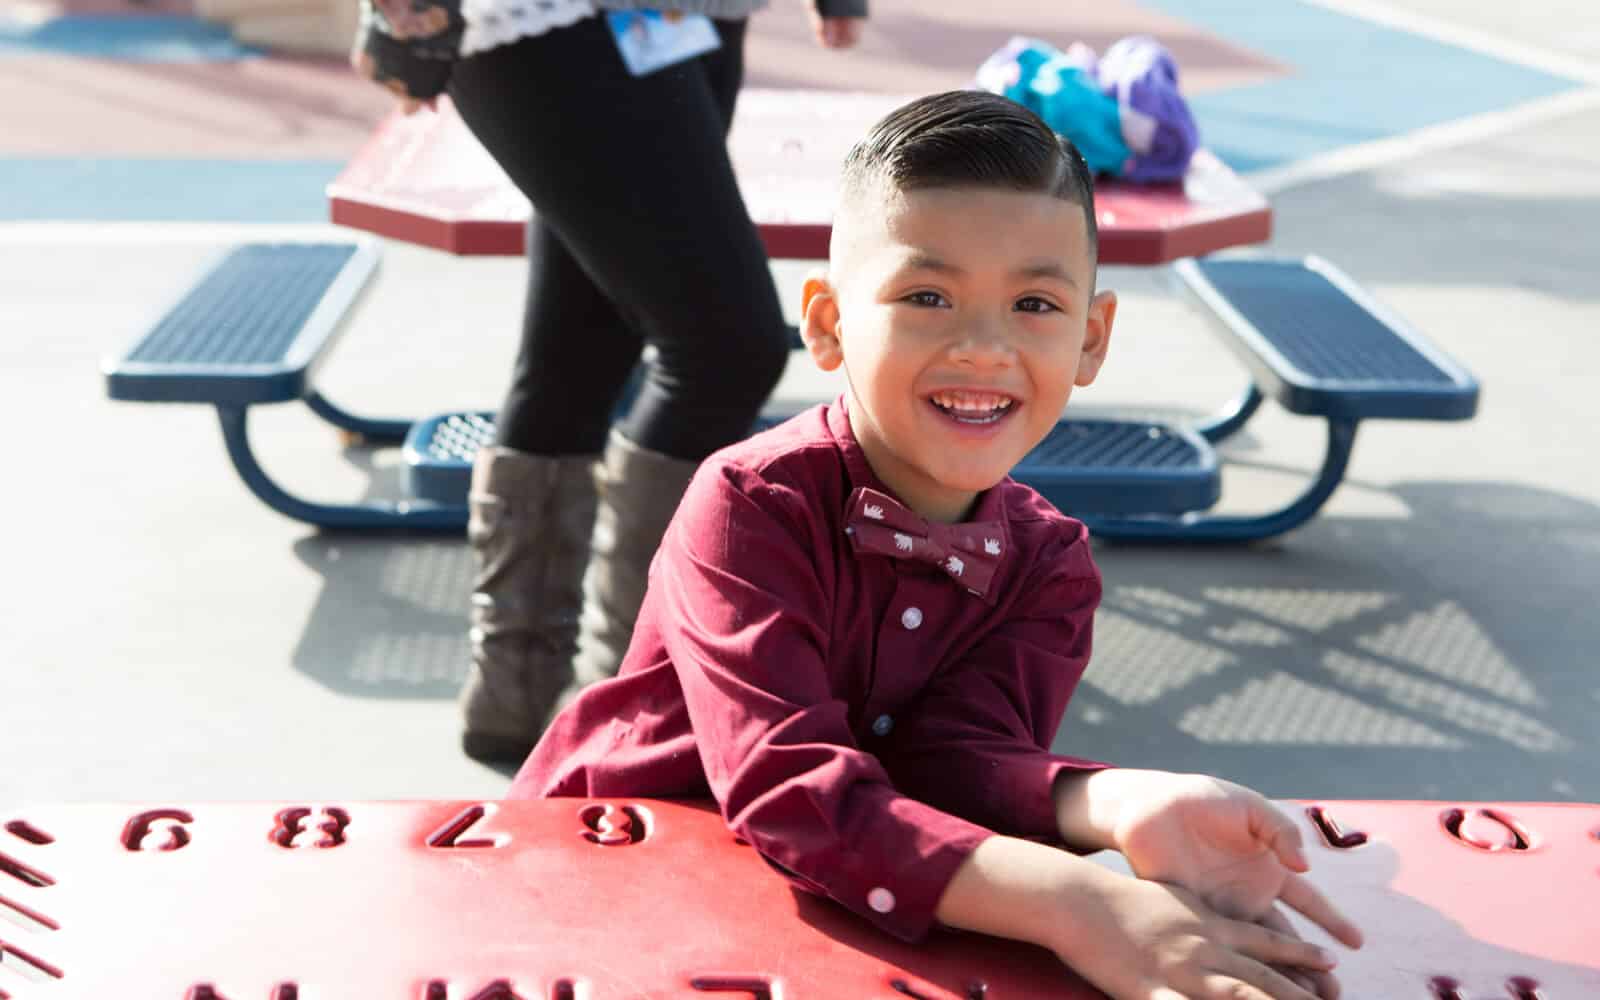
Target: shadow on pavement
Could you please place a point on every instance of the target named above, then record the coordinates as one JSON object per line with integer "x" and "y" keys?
{"x": 391, "y": 621}
{"x": 1448, "y": 654}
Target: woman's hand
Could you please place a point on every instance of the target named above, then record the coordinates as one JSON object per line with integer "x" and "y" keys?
{"x": 408, "y": 19}
{"x": 1151, "y": 941}
{"x": 1223, "y": 842}
{"x": 406, "y": 47}
{"x": 363, "y": 64}
{"x": 836, "y": 32}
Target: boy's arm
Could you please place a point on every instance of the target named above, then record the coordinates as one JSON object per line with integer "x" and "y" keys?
{"x": 1128, "y": 937}
{"x": 746, "y": 620}
{"x": 977, "y": 747}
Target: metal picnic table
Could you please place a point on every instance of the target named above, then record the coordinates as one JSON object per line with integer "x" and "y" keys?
{"x": 425, "y": 179}
{"x": 574, "y": 899}
{"x": 254, "y": 328}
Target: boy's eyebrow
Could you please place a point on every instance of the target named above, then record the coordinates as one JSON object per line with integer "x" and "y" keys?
{"x": 1046, "y": 269}
{"x": 922, "y": 261}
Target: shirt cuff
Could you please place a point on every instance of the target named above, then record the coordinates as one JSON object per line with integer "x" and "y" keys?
{"x": 1037, "y": 812}
{"x": 897, "y": 871}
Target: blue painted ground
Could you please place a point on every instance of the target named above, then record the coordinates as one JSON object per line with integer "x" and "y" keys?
{"x": 55, "y": 189}
{"x": 156, "y": 38}
{"x": 1354, "y": 82}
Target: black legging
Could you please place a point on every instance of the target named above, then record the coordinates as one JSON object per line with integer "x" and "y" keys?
{"x": 640, "y": 236}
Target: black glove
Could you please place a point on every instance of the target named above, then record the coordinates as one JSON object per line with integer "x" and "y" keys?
{"x": 413, "y": 50}
{"x": 842, "y": 8}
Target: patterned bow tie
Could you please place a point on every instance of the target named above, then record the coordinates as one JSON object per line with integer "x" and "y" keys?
{"x": 968, "y": 552}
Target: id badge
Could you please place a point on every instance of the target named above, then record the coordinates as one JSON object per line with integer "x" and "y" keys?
{"x": 648, "y": 41}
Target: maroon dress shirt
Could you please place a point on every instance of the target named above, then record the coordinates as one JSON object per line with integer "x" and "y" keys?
{"x": 864, "y": 721}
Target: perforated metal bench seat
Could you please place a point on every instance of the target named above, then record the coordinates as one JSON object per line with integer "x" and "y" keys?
{"x": 1320, "y": 345}
{"x": 1116, "y": 466}
{"x": 251, "y": 330}
{"x": 1317, "y": 343}
{"x": 1083, "y": 466}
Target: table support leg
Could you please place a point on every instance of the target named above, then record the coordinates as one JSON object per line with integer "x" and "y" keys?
{"x": 371, "y": 430}
{"x": 1233, "y": 417}
{"x": 371, "y": 516}
{"x": 1226, "y": 528}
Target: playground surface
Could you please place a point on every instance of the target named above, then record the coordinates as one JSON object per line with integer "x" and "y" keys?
{"x": 1429, "y": 636}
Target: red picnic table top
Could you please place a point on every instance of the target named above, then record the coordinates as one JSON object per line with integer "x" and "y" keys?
{"x": 425, "y": 179}
{"x": 572, "y": 899}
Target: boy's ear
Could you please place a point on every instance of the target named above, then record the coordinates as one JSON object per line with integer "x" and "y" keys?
{"x": 1096, "y": 336}
{"x": 819, "y": 327}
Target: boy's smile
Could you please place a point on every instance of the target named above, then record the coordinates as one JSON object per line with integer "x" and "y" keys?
{"x": 963, "y": 318}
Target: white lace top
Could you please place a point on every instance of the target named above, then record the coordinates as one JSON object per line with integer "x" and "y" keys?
{"x": 500, "y": 22}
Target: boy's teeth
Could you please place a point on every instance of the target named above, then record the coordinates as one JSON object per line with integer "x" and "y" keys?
{"x": 972, "y": 402}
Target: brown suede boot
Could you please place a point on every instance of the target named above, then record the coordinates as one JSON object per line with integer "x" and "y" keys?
{"x": 529, "y": 525}
{"x": 639, "y": 490}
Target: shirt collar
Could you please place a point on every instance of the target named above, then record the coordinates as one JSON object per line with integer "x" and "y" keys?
{"x": 991, "y": 505}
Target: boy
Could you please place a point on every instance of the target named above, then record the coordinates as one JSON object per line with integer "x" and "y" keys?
{"x": 860, "y": 635}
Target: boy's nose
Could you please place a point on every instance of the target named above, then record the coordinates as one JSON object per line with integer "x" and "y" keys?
{"x": 983, "y": 345}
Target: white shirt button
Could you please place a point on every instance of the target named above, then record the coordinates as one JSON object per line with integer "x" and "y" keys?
{"x": 911, "y": 618}
{"x": 881, "y": 900}
{"x": 882, "y": 725}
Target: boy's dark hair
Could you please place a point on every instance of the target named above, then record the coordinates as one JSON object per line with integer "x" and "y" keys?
{"x": 972, "y": 137}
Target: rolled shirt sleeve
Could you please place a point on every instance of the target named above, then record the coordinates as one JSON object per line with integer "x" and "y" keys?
{"x": 749, "y": 645}
{"x": 978, "y": 741}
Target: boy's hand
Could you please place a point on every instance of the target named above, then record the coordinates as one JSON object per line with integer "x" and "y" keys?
{"x": 836, "y": 32}
{"x": 1318, "y": 981}
{"x": 1134, "y": 939}
{"x": 1226, "y": 843}
{"x": 1152, "y": 941}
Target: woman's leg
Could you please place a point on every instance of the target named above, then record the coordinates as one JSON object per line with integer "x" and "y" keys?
{"x": 639, "y": 216}
{"x": 691, "y": 403}
{"x": 575, "y": 357}
{"x": 632, "y": 175}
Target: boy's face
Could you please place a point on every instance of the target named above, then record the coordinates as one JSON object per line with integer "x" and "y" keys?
{"x": 963, "y": 319}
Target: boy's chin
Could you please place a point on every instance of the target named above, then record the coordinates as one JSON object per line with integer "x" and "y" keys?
{"x": 971, "y": 480}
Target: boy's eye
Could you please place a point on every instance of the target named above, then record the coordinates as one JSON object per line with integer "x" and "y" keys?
{"x": 930, "y": 299}
{"x": 1035, "y": 304}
